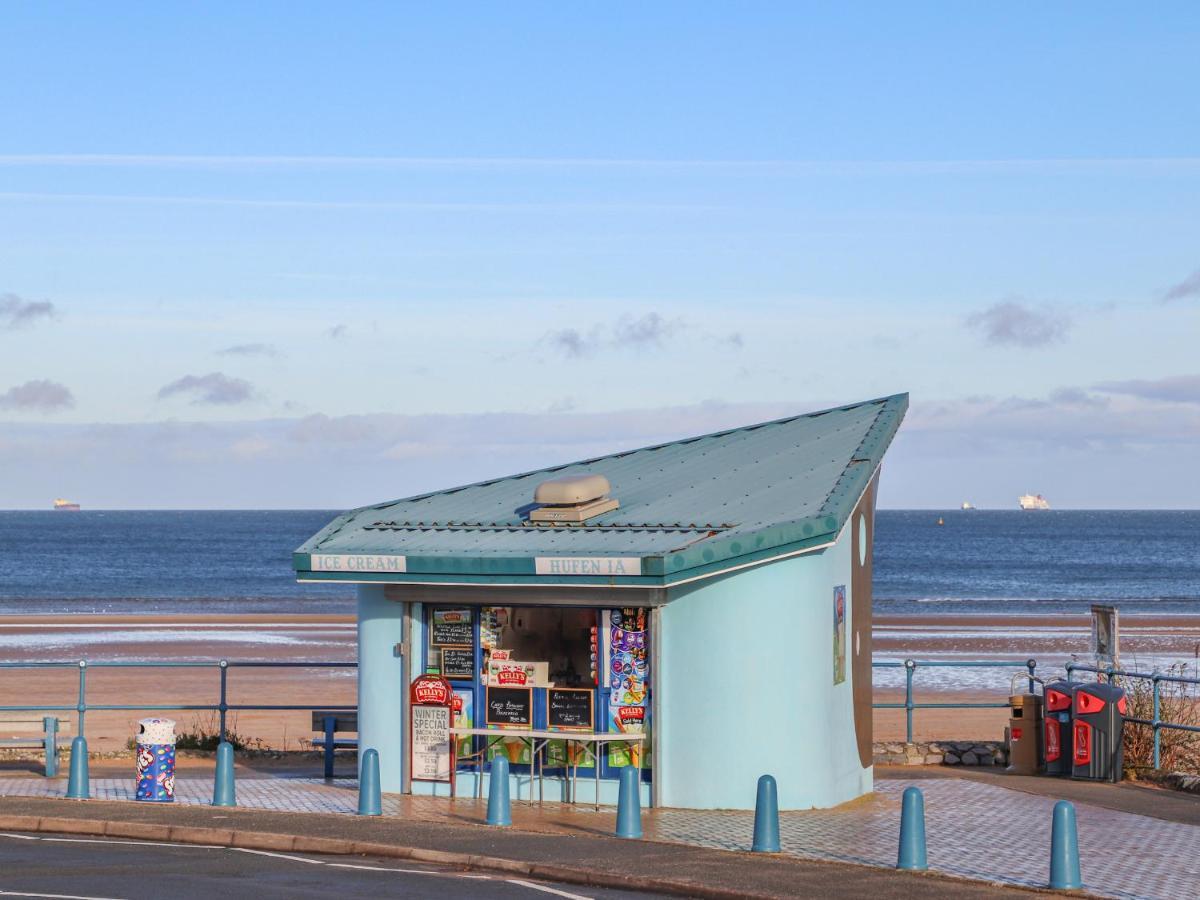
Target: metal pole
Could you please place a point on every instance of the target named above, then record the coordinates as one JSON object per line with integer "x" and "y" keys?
{"x": 1157, "y": 725}
{"x": 224, "y": 664}
{"x": 82, "y": 706}
{"x": 1031, "y": 664}
{"x": 910, "y": 666}
{"x": 1070, "y": 671}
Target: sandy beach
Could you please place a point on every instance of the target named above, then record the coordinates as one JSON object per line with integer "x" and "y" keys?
{"x": 1052, "y": 640}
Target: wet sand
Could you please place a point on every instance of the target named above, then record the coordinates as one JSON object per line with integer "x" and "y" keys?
{"x": 1146, "y": 641}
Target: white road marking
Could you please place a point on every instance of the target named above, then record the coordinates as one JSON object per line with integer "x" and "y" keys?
{"x": 314, "y": 862}
{"x": 386, "y": 869}
{"x": 58, "y": 840}
{"x": 53, "y": 896}
{"x": 548, "y": 890}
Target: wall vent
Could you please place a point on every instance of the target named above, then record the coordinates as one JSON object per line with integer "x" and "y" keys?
{"x": 575, "y": 498}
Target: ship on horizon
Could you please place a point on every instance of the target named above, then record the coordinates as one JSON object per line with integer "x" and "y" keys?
{"x": 66, "y": 505}
{"x": 1033, "y": 501}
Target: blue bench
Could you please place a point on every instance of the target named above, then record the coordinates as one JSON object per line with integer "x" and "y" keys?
{"x": 330, "y": 723}
{"x": 21, "y": 731}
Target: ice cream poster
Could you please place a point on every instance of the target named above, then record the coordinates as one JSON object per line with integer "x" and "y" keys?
{"x": 629, "y": 681}
{"x": 839, "y": 634}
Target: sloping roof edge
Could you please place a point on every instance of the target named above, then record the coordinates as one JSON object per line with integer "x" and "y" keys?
{"x": 709, "y": 556}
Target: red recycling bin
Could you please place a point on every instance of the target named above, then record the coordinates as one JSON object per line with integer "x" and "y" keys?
{"x": 1098, "y": 720}
{"x": 1056, "y": 726}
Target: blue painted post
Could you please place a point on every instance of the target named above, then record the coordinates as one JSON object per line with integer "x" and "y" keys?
{"x": 81, "y": 707}
{"x": 629, "y": 804}
{"x": 224, "y": 708}
{"x": 499, "y": 811}
{"x": 78, "y": 787}
{"x": 912, "y": 832}
{"x": 50, "y": 728}
{"x": 224, "y": 789}
{"x": 370, "y": 802}
{"x": 1157, "y": 725}
{"x": 910, "y": 666}
{"x": 766, "y": 817}
{"x": 1031, "y": 664}
{"x": 1064, "y": 849}
{"x": 329, "y": 723}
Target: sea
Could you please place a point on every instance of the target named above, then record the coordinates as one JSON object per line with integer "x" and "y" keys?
{"x": 926, "y": 562}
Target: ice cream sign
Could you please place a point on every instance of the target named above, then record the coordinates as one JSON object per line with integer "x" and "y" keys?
{"x": 357, "y": 562}
{"x": 604, "y": 566}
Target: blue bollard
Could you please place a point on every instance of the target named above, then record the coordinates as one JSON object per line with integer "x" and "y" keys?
{"x": 78, "y": 787}
{"x": 1064, "y": 849}
{"x": 629, "y": 804}
{"x": 499, "y": 811}
{"x": 224, "y": 790}
{"x": 370, "y": 802}
{"x": 766, "y": 817}
{"x": 912, "y": 831}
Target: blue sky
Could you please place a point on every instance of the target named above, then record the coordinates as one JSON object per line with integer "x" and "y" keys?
{"x": 316, "y": 255}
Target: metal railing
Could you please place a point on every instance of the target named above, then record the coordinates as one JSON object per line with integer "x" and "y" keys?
{"x": 1156, "y": 679}
{"x": 911, "y": 666}
{"x": 222, "y": 707}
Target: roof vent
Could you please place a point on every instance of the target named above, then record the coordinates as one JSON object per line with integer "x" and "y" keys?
{"x": 576, "y": 498}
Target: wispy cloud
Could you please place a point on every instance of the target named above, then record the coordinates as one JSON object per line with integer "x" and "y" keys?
{"x": 636, "y": 333}
{"x": 466, "y": 206}
{"x": 1188, "y": 288}
{"x": 17, "y": 313}
{"x": 1013, "y": 323}
{"x": 798, "y": 166}
{"x": 40, "y": 396}
{"x": 338, "y": 331}
{"x": 1173, "y": 389}
{"x": 215, "y": 388}
{"x": 249, "y": 350}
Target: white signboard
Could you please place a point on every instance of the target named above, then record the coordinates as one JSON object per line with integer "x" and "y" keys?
{"x": 605, "y": 566}
{"x": 357, "y": 563}
{"x": 431, "y": 743}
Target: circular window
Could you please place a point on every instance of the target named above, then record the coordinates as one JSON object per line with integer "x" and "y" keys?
{"x": 862, "y": 539}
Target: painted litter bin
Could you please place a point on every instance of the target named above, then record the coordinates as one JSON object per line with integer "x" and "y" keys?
{"x": 1096, "y": 746}
{"x": 156, "y": 760}
{"x": 1057, "y": 727}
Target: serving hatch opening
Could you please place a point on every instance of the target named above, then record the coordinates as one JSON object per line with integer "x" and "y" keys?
{"x": 575, "y": 498}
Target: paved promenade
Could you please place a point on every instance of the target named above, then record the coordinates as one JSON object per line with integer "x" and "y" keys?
{"x": 975, "y": 829}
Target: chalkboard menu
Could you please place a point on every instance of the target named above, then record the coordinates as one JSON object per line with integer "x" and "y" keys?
{"x": 458, "y": 662}
{"x": 430, "y": 743}
{"x": 509, "y": 706}
{"x": 569, "y": 708}
{"x": 451, "y": 627}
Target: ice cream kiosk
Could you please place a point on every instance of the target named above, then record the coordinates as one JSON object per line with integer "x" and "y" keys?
{"x": 699, "y": 609}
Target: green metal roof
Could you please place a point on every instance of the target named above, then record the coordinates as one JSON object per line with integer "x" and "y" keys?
{"x": 687, "y": 508}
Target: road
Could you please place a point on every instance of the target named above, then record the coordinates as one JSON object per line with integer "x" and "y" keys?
{"x": 67, "y": 868}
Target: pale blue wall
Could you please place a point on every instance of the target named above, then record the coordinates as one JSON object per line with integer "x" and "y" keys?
{"x": 745, "y": 688}
{"x": 381, "y": 683}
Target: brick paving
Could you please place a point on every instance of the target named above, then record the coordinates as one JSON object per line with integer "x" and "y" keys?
{"x": 974, "y": 829}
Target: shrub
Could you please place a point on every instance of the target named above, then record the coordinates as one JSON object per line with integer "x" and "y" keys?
{"x": 1179, "y": 704}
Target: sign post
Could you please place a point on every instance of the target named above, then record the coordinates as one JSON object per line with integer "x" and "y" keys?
{"x": 431, "y": 752}
{"x": 1106, "y": 636}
